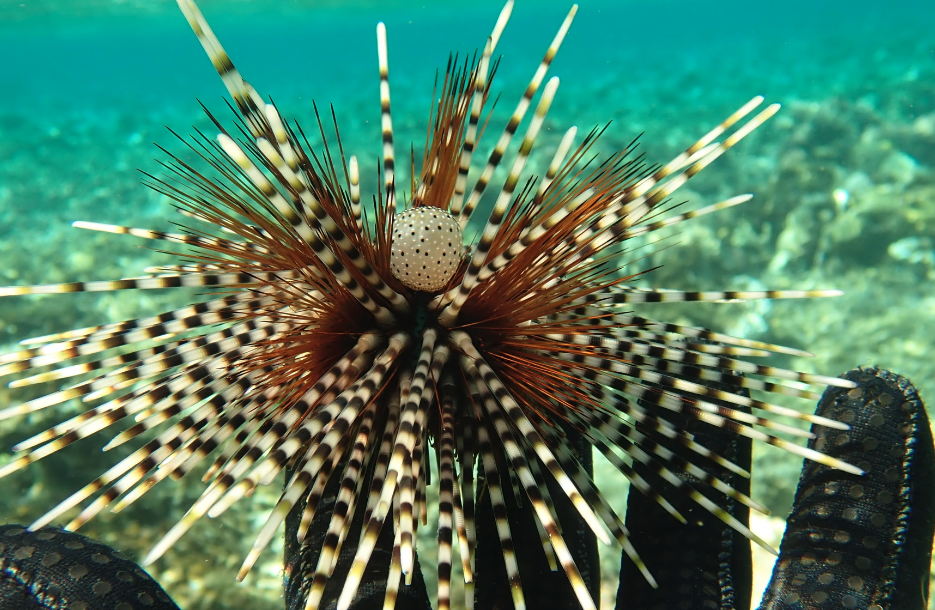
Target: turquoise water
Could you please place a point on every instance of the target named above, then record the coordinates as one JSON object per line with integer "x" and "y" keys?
{"x": 844, "y": 175}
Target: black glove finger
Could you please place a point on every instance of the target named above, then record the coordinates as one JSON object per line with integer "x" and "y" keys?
{"x": 301, "y": 559}
{"x": 52, "y": 569}
{"x": 862, "y": 541}
{"x": 704, "y": 564}
{"x": 542, "y": 588}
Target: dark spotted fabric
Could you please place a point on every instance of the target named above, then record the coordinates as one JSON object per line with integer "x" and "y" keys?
{"x": 863, "y": 542}
{"x": 51, "y": 569}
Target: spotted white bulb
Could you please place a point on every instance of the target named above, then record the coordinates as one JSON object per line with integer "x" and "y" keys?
{"x": 426, "y": 248}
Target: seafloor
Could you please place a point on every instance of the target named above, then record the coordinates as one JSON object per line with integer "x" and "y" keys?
{"x": 844, "y": 179}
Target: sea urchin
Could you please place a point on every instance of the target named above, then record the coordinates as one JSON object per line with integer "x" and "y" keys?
{"x": 340, "y": 337}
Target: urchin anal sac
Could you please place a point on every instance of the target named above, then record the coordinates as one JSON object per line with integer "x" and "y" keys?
{"x": 426, "y": 248}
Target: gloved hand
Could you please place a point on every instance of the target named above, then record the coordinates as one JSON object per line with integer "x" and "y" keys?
{"x": 851, "y": 541}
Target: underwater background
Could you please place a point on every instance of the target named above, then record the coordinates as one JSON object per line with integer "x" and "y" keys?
{"x": 843, "y": 177}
